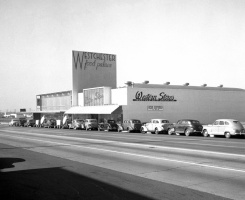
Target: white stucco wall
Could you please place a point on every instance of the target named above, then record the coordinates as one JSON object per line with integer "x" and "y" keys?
{"x": 119, "y": 96}
{"x": 203, "y": 105}
{"x": 80, "y": 99}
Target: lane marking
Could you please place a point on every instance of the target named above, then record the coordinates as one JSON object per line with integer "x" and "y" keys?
{"x": 134, "y": 154}
{"x": 133, "y": 144}
{"x": 146, "y": 138}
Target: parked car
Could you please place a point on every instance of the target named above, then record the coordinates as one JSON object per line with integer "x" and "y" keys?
{"x": 49, "y": 123}
{"x": 22, "y": 122}
{"x": 91, "y": 124}
{"x": 14, "y": 122}
{"x": 110, "y": 125}
{"x": 225, "y": 127}
{"x": 132, "y": 125}
{"x": 186, "y": 126}
{"x": 155, "y": 126}
{"x": 30, "y": 122}
{"x": 78, "y": 124}
{"x": 66, "y": 123}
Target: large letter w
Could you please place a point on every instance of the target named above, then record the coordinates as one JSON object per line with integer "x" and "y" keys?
{"x": 78, "y": 61}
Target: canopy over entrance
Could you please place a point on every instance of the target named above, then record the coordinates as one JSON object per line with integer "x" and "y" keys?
{"x": 106, "y": 109}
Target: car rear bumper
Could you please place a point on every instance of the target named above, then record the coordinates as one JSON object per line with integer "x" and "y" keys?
{"x": 237, "y": 134}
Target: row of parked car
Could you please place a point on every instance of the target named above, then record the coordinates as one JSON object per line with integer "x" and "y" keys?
{"x": 224, "y": 127}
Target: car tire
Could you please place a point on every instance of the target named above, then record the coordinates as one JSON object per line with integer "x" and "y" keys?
{"x": 142, "y": 130}
{"x": 171, "y": 131}
{"x": 187, "y": 132}
{"x": 156, "y": 131}
{"x": 227, "y": 135}
{"x": 205, "y": 133}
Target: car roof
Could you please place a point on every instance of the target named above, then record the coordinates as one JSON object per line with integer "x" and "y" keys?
{"x": 160, "y": 119}
{"x": 188, "y": 120}
{"x": 226, "y": 120}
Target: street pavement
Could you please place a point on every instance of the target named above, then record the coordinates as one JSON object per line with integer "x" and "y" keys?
{"x": 38, "y": 163}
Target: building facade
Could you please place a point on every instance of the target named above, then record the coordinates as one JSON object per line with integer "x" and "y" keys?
{"x": 148, "y": 101}
{"x": 94, "y": 94}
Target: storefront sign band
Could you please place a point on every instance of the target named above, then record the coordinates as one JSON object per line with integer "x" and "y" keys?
{"x": 139, "y": 96}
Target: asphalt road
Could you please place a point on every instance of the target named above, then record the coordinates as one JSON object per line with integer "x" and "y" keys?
{"x": 39, "y": 163}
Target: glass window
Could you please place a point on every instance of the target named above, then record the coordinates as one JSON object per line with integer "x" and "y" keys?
{"x": 226, "y": 123}
{"x": 216, "y": 123}
{"x": 165, "y": 121}
{"x": 195, "y": 122}
{"x": 136, "y": 121}
{"x": 221, "y": 123}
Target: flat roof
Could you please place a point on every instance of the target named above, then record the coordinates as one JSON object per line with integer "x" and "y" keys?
{"x": 142, "y": 85}
{"x": 49, "y": 111}
{"x": 54, "y": 93}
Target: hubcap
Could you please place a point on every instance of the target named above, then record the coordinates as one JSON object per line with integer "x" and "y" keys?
{"x": 227, "y": 135}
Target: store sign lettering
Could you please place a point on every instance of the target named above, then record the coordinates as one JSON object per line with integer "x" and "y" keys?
{"x": 155, "y": 108}
{"x": 97, "y": 96}
{"x": 93, "y": 60}
{"x": 139, "y": 96}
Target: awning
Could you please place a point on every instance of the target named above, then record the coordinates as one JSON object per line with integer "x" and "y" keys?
{"x": 107, "y": 109}
{"x": 49, "y": 111}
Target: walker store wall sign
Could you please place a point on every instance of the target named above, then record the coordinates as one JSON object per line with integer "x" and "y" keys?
{"x": 139, "y": 96}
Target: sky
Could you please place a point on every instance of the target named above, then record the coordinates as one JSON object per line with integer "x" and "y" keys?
{"x": 176, "y": 41}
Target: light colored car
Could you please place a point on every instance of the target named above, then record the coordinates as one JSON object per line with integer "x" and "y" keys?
{"x": 78, "y": 124}
{"x": 226, "y": 127}
{"x": 91, "y": 124}
{"x": 155, "y": 126}
{"x": 14, "y": 122}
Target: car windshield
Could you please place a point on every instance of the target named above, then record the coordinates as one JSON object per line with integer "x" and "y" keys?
{"x": 165, "y": 121}
{"x": 93, "y": 120}
{"x": 136, "y": 121}
{"x": 195, "y": 122}
{"x": 80, "y": 120}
